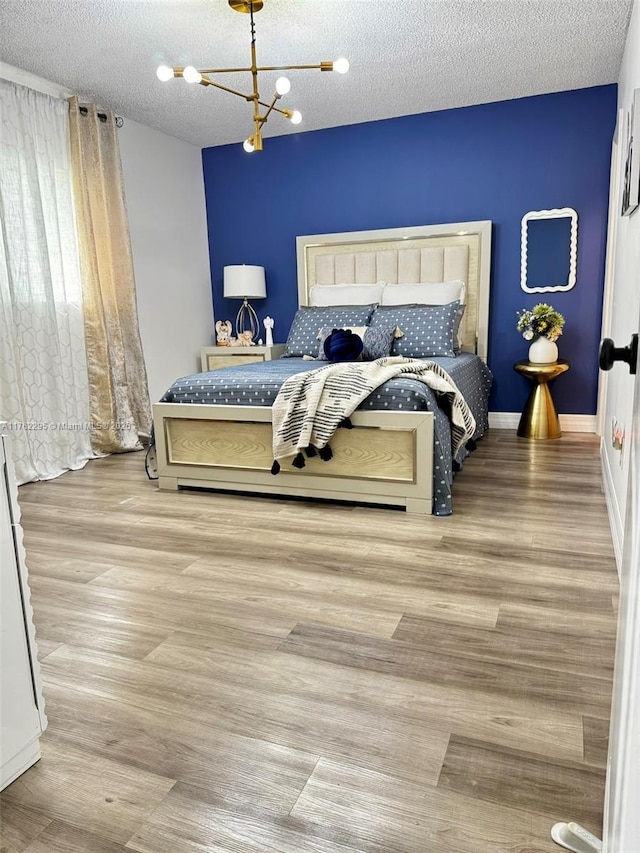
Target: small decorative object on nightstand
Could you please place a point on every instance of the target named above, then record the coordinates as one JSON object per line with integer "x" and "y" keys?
{"x": 268, "y": 325}
{"x": 244, "y": 339}
{"x": 223, "y": 332}
{"x": 539, "y": 418}
{"x": 213, "y": 358}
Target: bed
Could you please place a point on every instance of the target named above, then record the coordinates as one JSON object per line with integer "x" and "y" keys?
{"x": 213, "y": 430}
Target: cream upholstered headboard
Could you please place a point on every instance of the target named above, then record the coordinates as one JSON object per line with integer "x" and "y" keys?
{"x": 423, "y": 253}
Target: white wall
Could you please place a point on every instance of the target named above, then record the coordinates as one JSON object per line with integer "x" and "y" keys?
{"x": 164, "y": 190}
{"x": 623, "y": 307}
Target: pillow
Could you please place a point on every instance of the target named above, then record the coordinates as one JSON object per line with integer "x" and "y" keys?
{"x": 347, "y": 294}
{"x": 303, "y": 335}
{"x": 429, "y": 330}
{"x": 377, "y": 343}
{"x": 342, "y": 345}
{"x": 436, "y": 293}
{"x": 458, "y": 338}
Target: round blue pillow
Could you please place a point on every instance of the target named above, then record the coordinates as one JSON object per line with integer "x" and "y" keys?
{"x": 343, "y": 345}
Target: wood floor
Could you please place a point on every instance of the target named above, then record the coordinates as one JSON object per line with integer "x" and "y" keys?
{"x": 225, "y": 673}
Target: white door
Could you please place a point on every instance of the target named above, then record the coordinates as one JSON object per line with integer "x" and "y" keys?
{"x": 622, "y": 807}
{"x": 19, "y": 718}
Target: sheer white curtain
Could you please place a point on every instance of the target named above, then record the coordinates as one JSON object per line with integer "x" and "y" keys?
{"x": 44, "y": 393}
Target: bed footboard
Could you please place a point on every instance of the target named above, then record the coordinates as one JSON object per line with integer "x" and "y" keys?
{"x": 387, "y": 458}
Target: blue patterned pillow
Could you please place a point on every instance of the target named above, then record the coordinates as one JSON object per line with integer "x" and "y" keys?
{"x": 303, "y": 335}
{"x": 429, "y": 330}
{"x": 377, "y": 342}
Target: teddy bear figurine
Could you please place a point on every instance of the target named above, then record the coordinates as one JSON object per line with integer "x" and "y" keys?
{"x": 223, "y": 333}
{"x": 245, "y": 339}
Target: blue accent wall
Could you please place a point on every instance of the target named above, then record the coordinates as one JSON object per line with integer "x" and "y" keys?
{"x": 494, "y": 161}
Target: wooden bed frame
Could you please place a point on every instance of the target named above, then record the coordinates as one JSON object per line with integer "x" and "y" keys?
{"x": 388, "y": 457}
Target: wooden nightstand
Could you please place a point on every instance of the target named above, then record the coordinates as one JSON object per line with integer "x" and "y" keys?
{"x": 213, "y": 358}
{"x": 539, "y": 418}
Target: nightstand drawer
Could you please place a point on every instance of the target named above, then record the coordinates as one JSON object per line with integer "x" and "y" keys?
{"x": 215, "y": 361}
{"x": 214, "y": 358}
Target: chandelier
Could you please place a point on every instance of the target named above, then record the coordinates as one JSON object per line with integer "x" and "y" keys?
{"x": 202, "y": 76}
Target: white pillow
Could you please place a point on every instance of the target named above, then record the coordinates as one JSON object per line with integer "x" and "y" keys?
{"x": 346, "y": 294}
{"x": 436, "y": 293}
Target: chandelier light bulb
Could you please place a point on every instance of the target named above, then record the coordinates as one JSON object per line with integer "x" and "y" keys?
{"x": 248, "y": 145}
{"x": 341, "y": 65}
{"x": 296, "y": 117}
{"x": 191, "y": 74}
{"x": 164, "y": 73}
{"x": 283, "y": 85}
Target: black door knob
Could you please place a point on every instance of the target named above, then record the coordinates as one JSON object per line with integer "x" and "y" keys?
{"x": 610, "y": 353}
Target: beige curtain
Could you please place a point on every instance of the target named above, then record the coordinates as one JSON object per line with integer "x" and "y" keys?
{"x": 119, "y": 396}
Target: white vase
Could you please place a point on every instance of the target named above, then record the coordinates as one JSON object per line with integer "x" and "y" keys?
{"x": 543, "y": 351}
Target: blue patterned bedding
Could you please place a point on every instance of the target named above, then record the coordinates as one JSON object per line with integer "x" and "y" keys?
{"x": 258, "y": 385}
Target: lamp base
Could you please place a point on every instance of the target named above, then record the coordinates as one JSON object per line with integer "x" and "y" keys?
{"x": 245, "y": 5}
{"x": 247, "y": 321}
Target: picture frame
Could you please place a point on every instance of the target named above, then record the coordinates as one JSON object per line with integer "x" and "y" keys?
{"x": 631, "y": 174}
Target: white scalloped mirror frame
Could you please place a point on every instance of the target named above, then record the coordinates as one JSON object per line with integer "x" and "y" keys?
{"x": 556, "y": 213}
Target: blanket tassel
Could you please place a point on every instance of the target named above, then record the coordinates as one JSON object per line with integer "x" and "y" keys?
{"x": 346, "y": 423}
{"x": 298, "y": 461}
{"x": 471, "y": 445}
{"x": 325, "y": 453}
{"x": 310, "y": 451}
{"x": 275, "y": 468}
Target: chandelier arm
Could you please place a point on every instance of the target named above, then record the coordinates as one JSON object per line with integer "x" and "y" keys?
{"x": 224, "y": 70}
{"x": 207, "y": 82}
{"x": 270, "y": 108}
{"x": 321, "y": 66}
{"x": 275, "y": 109}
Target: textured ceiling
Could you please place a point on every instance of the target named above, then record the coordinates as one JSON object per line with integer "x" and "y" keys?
{"x": 407, "y": 56}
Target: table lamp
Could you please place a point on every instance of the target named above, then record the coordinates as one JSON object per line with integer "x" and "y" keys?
{"x": 242, "y": 281}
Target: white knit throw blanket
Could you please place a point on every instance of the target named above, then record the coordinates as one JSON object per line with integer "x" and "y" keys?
{"x": 311, "y": 405}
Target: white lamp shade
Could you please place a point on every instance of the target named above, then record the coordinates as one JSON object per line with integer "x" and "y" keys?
{"x": 243, "y": 280}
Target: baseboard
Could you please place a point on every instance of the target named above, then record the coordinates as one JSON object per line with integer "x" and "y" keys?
{"x": 613, "y": 509}
{"x": 504, "y": 420}
{"x": 16, "y": 766}
{"x": 568, "y": 423}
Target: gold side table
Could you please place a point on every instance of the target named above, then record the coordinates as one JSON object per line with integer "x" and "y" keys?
{"x": 539, "y": 418}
